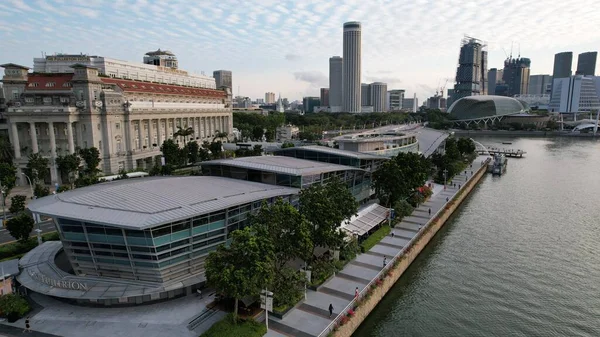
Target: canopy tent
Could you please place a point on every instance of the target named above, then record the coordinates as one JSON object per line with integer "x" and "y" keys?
{"x": 366, "y": 219}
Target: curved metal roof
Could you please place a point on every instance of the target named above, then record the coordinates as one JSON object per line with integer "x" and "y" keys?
{"x": 473, "y": 107}
{"x": 141, "y": 203}
{"x": 281, "y": 164}
{"x": 338, "y": 152}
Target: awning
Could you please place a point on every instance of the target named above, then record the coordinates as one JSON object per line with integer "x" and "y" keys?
{"x": 367, "y": 218}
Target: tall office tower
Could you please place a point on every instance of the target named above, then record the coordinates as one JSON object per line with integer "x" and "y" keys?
{"x": 395, "y": 100}
{"x": 539, "y": 84}
{"x": 472, "y": 69}
{"x": 562, "y": 65}
{"x": 586, "y": 63}
{"x": 352, "y": 70}
{"x": 365, "y": 94}
{"x": 269, "y": 97}
{"x": 378, "y": 96}
{"x": 223, "y": 78}
{"x": 336, "y": 66}
{"x": 324, "y": 96}
{"x": 575, "y": 94}
{"x": 494, "y": 77}
{"x": 516, "y": 76}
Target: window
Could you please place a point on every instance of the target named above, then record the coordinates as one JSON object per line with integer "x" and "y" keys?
{"x": 117, "y": 126}
{"x": 119, "y": 145}
{"x": 37, "y": 131}
{"x": 50, "y": 84}
{"x": 33, "y": 84}
{"x": 64, "y": 99}
{"x": 47, "y": 100}
{"x": 67, "y": 84}
{"x": 100, "y": 145}
{"x": 98, "y": 126}
{"x": 29, "y": 100}
{"x": 15, "y": 94}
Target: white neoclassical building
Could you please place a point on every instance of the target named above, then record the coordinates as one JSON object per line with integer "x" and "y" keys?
{"x": 127, "y": 120}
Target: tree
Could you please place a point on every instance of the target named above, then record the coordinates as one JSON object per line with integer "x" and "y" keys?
{"x": 257, "y": 150}
{"x": 69, "y": 166}
{"x": 183, "y": 133}
{"x": 216, "y": 149}
{"x": 20, "y": 226}
{"x": 37, "y": 168}
{"x": 171, "y": 152}
{"x": 326, "y": 206}
{"x": 397, "y": 178}
{"x": 8, "y": 176}
{"x": 257, "y": 133}
{"x": 41, "y": 191}
{"x": 243, "y": 268}
{"x": 286, "y": 145}
{"x": 6, "y": 150}
{"x": 91, "y": 158}
{"x": 17, "y": 204}
{"x": 193, "y": 154}
{"x": 288, "y": 230}
{"x": 221, "y": 135}
{"x": 402, "y": 208}
{"x": 465, "y": 146}
{"x": 451, "y": 149}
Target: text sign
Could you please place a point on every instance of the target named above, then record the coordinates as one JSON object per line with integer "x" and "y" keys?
{"x": 72, "y": 285}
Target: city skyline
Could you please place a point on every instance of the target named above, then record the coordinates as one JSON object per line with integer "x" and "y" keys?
{"x": 255, "y": 39}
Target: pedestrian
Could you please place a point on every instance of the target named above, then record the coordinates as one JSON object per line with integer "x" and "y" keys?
{"x": 392, "y": 234}
{"x": 447, "y": 199}
{"x": 330, "y": 310}
{"x": 466, "y": 178}
{"x": 27, "y": 326}
{"x": 454, "y": 185}
{"x": 384, "y": 261}
{"x": 356, "y": 293}
{"x": 430, "y": 212}
{"x": 471, "y": 172}
{"x": 459, "y": 186}
{"x": 471, "y": 165}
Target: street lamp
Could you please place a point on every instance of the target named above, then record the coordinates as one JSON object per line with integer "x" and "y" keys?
{"x": 30, "y": 184}
{"x": 3, "y": 191}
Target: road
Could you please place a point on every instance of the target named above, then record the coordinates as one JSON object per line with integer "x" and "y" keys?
{"x": 45, "y": 226}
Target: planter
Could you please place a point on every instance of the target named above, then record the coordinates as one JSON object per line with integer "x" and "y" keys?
{"x": 12, "y": 317}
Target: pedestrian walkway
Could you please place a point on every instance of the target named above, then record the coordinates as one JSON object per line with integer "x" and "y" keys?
{"x": 311, "y": 317}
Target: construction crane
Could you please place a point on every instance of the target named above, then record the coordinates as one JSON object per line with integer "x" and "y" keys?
{"x": 443, "y": 87}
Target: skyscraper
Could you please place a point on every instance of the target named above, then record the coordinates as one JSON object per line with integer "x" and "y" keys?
{"x": 378, "y": 96}
{"x": 324, "y": 96}
{"x": 562, "y": 65}
{"x": 336, "y": 65}
{"x": 494, "y": 77}
{"x": 586, "y": 63}
{"x": 223, "y": 78}
{"x": 396, "y": 97}
{"x": 270, "y": 97}
{"x": 352, "y": 67}
{"x": 539, "y": 84}
{"x": 516, "y": 75}
{"x": 365, "y": 94}
{"x": 472, "y": 69}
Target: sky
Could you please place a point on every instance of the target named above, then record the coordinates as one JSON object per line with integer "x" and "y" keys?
{"x": 284, "y": 46}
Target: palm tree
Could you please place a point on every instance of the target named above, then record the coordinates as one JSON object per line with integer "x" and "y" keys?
{"x": 221, "y": 135}
{"x": 184, "y": 133}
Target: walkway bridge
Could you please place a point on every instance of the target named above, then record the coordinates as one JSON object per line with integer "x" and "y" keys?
{"x": 514, "y": 153}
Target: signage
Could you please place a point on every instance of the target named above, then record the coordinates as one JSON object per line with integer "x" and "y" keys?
{"x": 65, "y": 284}
{"x": 68, "y": 58}
{"x": 266, "y": 300}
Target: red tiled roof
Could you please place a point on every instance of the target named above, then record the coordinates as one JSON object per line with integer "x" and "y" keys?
{"x": 165, "y": 89}
{"x": 61, "y": 81}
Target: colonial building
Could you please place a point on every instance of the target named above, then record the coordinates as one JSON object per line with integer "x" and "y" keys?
{"x": 127, "y": 120}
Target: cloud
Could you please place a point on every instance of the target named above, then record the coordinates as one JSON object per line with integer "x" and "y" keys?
{"x": 315, "y": 79}
{"x": 385, "y": 79}
{"x": 292, "y": 57}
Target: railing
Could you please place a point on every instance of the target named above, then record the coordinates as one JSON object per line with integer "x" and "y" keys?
{"x": 385, "y": 269}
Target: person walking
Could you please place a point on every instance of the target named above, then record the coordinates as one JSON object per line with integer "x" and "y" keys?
{"x": 430, "y": 212}
{"x": 27, "y": 326}
{"x": 330, "y": 309}
{"x": 447, "y": 199}
{"x": 384, "y": 261}
{"x": 392, "y": 234}
{"x": 356, "y": 293}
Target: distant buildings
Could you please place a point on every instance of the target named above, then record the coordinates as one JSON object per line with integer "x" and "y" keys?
{"x": 223, "y": 78}
{"x": 516, "y": 76}
{"x": 280, "y": 107}
{"x": 286, "y": 132}
{"x": 352, "y": 67}
{"x": 410, "y": 104}
{"x": 586, "y": 63}
{"x": 336, "y": 65}
{"x": 395, "y": 99}
{"x": 270, "y": 97}
{"x": 309, "y": 104}
{"x": 365, "y": 94}
{"x": 539, "y": 84}
{"x": 378, "y": 96}
{"x": 494, "y": 77}
{"x": 562, "y": 65}
{"x": 325, "y": 96}
{"x": 472, "y": 69}
{"x": 575, "y": 94}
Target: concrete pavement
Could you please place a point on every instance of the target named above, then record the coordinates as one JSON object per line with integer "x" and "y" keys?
{"x": 311, "y": 317}
{"x": 45, "y": 226}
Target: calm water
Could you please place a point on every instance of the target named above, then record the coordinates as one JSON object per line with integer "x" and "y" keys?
{"x": 520, "y": 258}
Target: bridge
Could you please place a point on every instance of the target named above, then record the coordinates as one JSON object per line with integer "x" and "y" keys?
{"x": 514, "y": 153}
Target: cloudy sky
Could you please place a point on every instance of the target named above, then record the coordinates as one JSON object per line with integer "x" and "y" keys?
{"x": 284, "y": 46}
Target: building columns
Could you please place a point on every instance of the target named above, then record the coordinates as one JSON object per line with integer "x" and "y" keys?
{"x": 140, "y": 139}
{"x": 70, "y": 137}
{"x": 53, "y": 168}
{"x": 159, "y": 133}
{"x": 151, "y": 133}
{"x": 15, "y": 140}
{"x": 34, "y": 143}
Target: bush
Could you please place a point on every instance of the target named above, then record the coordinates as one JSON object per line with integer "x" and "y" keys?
{"x": 321, "y": 271}
{"x": 20, "y": 226}
{"x": 245, "y": 328}
{"x": 375, "y": 237}
{"x": 349, "y": 251}
{"x": 41, "y": 191}
{"x": 13, "y": 307}
{"x": 17, "y": 204}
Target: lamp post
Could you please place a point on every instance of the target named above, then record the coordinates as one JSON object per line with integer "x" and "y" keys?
{"x": 30, "y": 185}
{"x": 3, "y": 191}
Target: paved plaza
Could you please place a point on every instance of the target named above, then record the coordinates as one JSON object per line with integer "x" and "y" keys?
{"x": 311, "y": 317}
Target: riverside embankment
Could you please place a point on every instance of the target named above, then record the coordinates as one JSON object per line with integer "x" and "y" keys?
{"x": 506, "y": 133}
{"x": 417, "y": 230}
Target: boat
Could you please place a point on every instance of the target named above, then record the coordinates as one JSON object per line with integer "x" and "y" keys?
{"x": 498, "y": 166}
{"x": 507, "y": 143}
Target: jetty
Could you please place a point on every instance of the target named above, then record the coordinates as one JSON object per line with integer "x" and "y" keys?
{"x": 513, "y": 153}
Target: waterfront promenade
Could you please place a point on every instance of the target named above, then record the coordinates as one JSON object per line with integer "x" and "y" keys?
{"x": 311, "y": 317}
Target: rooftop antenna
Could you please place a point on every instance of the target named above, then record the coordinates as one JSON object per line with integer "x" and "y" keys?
{"x": 511, "y": 49}
{"x": 519, "y": 50}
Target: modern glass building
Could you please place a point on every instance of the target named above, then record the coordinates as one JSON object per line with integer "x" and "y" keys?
{"x": 150, "y": 235}
{"x": 291, "y": 172}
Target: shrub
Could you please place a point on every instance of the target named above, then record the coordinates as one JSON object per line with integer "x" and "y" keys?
{"x": 227, "y": 328}
{"x": 401, "y": 209}
{"x": 321, "y": 271}
{"x": 41, "y": 191}
{"x": 350, "y": 313}
{"x": 13, "y": 307}
{"x": 349, "y": 251}
{"x": 17, "y": 204}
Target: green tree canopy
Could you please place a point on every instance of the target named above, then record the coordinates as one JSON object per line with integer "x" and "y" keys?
{"x": 243, "y": 268}
{"x": 172, "y": 153}
{"x": 20, "y": 226}
{"x": 91, "y": 158}
{"x": 451, "y": 149}
{"x": 6, "y": 150}
{"x": 257, "y": 133}
{"x": 37, "y": 168}
{"x": 17, "y": 204}
{"x": 326, "y": 206}
{"x": 193, "y": 152}
{"x": 69, "y": 165}
{"x": 8, "y": 176}
{"x": 465, "y": 146}
{"x": 397, "y": 178}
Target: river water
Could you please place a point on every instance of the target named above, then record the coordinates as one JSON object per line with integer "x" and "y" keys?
{"x": 521, "y": 257}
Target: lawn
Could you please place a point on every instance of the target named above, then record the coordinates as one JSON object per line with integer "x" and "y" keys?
{"x": 244, "y": 328}
{"x": 374, "y": 238}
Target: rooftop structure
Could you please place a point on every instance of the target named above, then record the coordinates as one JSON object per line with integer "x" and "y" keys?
{"x": 161, "y": 58}
{"x": 149, "y": 202}
{"x": 482, "y": 106}
{"x": 383, "y": 144}
{"x": 335, "y": 156}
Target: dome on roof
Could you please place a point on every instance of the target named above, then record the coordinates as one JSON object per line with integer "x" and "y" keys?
{"x": 472, "y": 107}
{"x": 159, "y": 52}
